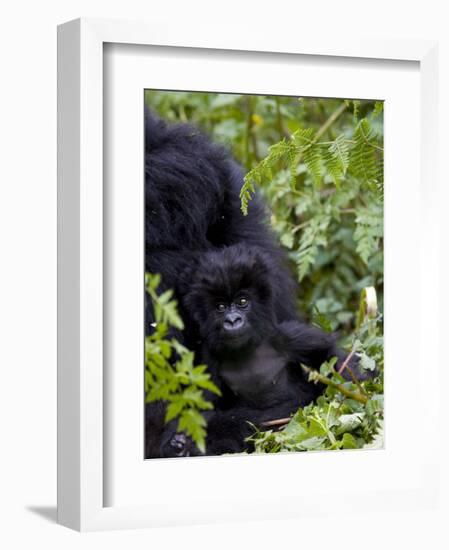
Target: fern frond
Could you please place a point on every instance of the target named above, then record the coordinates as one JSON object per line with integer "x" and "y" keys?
{"x": 336, "y": 158}
{"x": 246, "y": 192}
{"x": 313, "y": 160}
{"x": 340, "y": 151}
{"x": 310, "y": 152}
{"x": 378, "y": 108}
{"x": 313, "y": 237}
{"x": 363, "y": 161}
{"x": 292, "y": 164}
{"x": 369, "y": 229}
{"x": 303, "y": 137}
{"x": 263, "y": 170}
{"x": 277, "y": 151}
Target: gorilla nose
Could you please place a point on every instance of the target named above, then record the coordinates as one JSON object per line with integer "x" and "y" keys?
{"x": 233, "y": 321}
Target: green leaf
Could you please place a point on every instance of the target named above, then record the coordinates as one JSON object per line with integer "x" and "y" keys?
{"x": 180, "y": 385}
{"x": 312, "y": 444}
{"x": 321, "y": 320}
{"x": 152, "y": 281}
{"x": 165, "y": 349}
{"x": 174, "y": 409}
{"x": 337, "y": 158}
{"x": 313, "y": 236}
{"x": 246, "y": 192}
{"x": 356, "y": 104}
{"x": 364, "y": 161}
{"x": 367, "y": 363}
{"x": 287, "y": 240}
{"x": 348, "y": 441}
{"x": 193, "y": 423}
{"x": 311, "y": 155}
{"x": 207, "y": 384}
{"x": 349, "y": 422}
{"x": 378, "y": 109}
{"x": 375, "y": 405}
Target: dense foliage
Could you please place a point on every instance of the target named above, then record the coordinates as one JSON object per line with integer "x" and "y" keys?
{"x": 170, "y": 372}
{"x": 319, "y": 165}
{"x": 350, "y": 414}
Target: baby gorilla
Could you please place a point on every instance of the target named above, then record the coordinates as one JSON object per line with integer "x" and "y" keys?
{"x": 254, "y": 359}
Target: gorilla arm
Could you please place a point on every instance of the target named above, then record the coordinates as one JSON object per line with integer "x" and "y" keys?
{"x": 308, "y": 345}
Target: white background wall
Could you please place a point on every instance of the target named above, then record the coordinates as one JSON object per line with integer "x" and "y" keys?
{"x": 28, "y": 268}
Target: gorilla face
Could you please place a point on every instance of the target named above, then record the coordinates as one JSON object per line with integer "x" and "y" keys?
{"x": 234, "y": 315}
{"x": 233, "y": 321}
{"x": 230, "y": 298}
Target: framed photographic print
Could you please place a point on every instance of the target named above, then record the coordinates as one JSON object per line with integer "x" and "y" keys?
{"x": 234, "y": 244}
{"x": 243, "y": 266}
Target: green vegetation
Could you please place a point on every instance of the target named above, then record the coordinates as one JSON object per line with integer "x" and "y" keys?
{"x": 349, "y": 415}
{"x": 170, "y": 373}
{"x": 319, "y": 165}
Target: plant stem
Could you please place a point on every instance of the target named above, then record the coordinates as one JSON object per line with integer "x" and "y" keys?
{"x": 346, "y": 361}
{"x": 250, "y": 138}
{"x": 317, "y": 377}
{"x": 300, "y": 226}
{"x": 277, "y": 422}
{"x": 322, "y": 129}
{"x": 283, "y": 132}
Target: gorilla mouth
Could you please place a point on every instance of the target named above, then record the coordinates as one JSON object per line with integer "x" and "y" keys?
{"x": 235, "y": 333}
{"x": 235, "y": 338}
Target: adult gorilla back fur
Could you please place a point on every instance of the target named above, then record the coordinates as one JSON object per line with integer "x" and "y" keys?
{"x": 192, "y": 205}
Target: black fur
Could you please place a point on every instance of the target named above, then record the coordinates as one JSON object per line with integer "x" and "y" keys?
{"x": 257, "y": 364}
{"x": 192, "y": 205}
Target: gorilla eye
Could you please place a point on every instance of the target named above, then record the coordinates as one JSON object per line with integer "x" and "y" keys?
{"x": 243, "y": 302}
{"x": 221, "y": 307}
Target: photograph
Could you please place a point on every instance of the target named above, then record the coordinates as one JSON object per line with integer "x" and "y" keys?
{"x": 263, "y": 281}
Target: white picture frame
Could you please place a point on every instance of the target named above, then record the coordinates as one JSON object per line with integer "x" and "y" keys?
{"x": 82, "y": 491}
